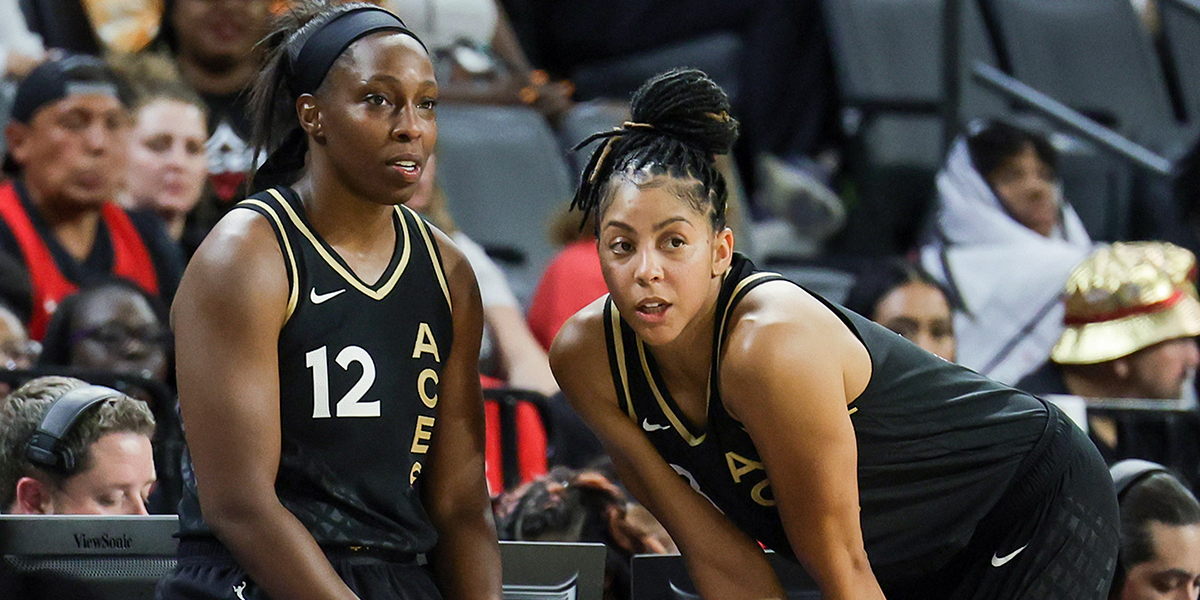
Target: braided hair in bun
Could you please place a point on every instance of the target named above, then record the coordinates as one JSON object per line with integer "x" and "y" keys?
{"x": 680, "y": 122}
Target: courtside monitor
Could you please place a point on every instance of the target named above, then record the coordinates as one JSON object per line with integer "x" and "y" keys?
{"x": 665, "y": 577}
{"x": 109, "y": 557}
{"x": 552, "y": 570}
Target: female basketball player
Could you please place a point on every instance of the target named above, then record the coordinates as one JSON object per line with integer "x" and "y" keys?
{"x": 328, "y": 341}
{"x": 742, "y": 409}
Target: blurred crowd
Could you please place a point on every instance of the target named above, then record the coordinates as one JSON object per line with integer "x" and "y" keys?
{"x": 105, "y": 195}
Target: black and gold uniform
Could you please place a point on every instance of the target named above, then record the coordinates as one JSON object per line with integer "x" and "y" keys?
{"x": 358, "y": 380}
{"x": 952, "y": 467}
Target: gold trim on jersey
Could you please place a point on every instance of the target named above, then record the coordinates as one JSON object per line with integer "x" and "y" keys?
{"x": 662, "y": 402}
{"x": 294, "y": 292}
{"x": 433, "y": 256}
{"x": 350, "y": 278}
{"x": 738, "y": 288}
{"x": 619, "y": 348}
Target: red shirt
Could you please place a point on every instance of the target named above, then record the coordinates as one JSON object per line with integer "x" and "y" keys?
{"x": 131, "y": 258}
{"x": 571, "y": 281}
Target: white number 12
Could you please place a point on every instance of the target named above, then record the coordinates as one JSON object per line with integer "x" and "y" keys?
{"x": 351, "y": 404}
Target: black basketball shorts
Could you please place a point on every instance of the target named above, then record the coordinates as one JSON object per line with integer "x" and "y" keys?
{"x": 206, "y": 571}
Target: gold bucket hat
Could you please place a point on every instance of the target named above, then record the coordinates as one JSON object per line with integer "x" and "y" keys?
{"x": 1126, "y": 297}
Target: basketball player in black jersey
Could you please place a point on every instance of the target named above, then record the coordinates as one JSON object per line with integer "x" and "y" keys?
{"x": 742, "y": 409}
{"x": 328, "y": 342}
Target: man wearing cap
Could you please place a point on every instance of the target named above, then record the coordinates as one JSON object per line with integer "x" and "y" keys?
{"x": 67, "y": 157}
{"x": 1130, "y": 326}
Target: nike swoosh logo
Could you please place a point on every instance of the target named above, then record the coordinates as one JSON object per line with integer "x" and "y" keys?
{"x": 1000, "y": 561}
{"x": 648, "y": 426}
{"x": 319, "y": 298}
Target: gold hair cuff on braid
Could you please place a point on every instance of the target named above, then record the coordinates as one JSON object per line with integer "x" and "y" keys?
{"x": 600, "y": 161}
{"x": 632, "y": 125}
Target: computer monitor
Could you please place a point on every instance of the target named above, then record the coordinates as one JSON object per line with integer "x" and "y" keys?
{"x": 665, "y": 577}
{"x": 552, "y": 570}
{"x": 112, "y": 556}
{"x": 123, "y": 557}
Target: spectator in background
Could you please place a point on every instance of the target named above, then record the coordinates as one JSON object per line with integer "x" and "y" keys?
{"x": 1003, "y": 242}
{"x": 215, "y": 44}
{"x": 110, "y": 326}
{"x": 168, "y": 167}
{"x": 115, "y": 330}
{"x": 571, "y": 280}
{"x": 1130, "y": 326}
{"x": 1160, "y": 535}
{"x": 904, "y": 298}
{"x": 20, "y": 49}
{"x": 113, "y": 472}
{"x": 17, "y": 351}
{"x": 68, "y": 150}
{"x": 478, "y": 56}
{"x": 509, "y": 351}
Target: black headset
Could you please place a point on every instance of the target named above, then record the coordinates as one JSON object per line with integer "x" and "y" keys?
{"x": 1131, "y": 472}
{"x": 46, "y": 448}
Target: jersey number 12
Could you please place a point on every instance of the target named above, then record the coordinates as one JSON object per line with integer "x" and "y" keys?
{"x": 351, "y": 404}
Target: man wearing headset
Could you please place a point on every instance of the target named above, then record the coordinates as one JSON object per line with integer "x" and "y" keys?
{"x": 70, "y": 448}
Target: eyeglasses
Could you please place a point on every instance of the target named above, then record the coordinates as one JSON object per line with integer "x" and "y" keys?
{"x": 116, "y": 336}
{"x": 18, "y": 354}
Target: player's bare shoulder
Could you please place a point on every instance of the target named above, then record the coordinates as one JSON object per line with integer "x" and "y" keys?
{"x": 779, "y": 319}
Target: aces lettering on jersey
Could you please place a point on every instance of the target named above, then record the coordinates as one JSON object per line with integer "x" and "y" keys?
{"x": 740, "y": 466}
{"x": 427, "y": 391}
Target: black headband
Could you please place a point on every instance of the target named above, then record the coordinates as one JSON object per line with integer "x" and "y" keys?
{"x": 328, "y": 42}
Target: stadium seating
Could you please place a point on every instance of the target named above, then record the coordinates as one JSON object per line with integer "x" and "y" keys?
{"x": 1181, "y": 27}
{"x": 892, "y": 109}
{"x": 504, "y": 176}
{"x": 1092, "y": 55}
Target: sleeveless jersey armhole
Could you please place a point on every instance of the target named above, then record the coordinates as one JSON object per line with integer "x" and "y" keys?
{"x": 272, "y": 215}
{"x": 435, "y": 254}
{"x": 615, "y": 345}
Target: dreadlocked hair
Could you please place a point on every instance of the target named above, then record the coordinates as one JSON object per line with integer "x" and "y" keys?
{"x": 272, "y": 98}
{"x": 679, "y": 123}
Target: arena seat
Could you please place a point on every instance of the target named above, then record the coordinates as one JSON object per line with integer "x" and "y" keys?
{"x": 504, "y": 177}
{"x": 1094, "y": 56}
{"x": 715, "y": 54}
{"x": 1181, "y": 26}
{"x": 516, "y": 437}
{"x": 892, "y": 112}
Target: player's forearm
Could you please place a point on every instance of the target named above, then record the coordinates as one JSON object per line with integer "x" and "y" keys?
{"x": 732, "y": 574}
{"x": 278, "y": 553}
{"x": 845, "y": 574}
{"x": 466, "y": 560}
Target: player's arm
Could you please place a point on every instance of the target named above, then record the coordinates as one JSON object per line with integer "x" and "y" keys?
{"x": 466, "y": 560}
{"x": 723, "y": 561}
{"x": 785, "y": 376}
{"x": 227, "y": 316}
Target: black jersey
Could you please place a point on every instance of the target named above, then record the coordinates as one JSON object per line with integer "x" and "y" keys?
{"x": 937, "y": 443}
{"x": 358, "y": 384}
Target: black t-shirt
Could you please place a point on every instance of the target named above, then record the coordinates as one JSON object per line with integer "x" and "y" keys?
{"x": 358, "y": 382}
{"x": 937, "y": 443}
